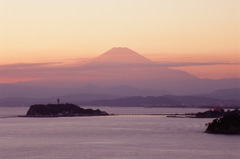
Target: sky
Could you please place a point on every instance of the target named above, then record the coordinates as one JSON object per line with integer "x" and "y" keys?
{"x": 33, "y": 31}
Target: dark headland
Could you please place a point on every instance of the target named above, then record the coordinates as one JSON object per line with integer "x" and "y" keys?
{"x": 228, "y": 124}
{"x": 61, "y": 110}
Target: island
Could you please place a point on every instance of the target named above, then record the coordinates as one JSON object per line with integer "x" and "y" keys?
{"x": 61, "y": 110}
{"x": 228, "y": 124}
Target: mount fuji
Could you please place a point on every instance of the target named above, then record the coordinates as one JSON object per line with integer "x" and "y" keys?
{"x": 121, "y": 55}
{"x": 120, "y": 68}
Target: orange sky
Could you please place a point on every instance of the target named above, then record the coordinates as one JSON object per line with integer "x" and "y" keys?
{"x": 162, "y": 30}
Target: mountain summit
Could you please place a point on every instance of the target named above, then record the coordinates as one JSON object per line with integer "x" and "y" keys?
{"x": 121, "y": 55}
{"x": 117, "y": 67}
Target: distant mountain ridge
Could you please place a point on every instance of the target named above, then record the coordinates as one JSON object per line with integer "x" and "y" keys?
{"x": 18, "y": 90}
{"x": 119, "y": 96}
{"x": 133, "y": 101}
{"x": 119, "y": 71}
{"x": 233, "y": 93}
{"x": 178, "y": 101}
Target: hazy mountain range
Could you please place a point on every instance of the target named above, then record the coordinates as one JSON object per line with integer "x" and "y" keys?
{"x": 167, "y": 100}
{"x": 120, "y": 72}
{"x": 111, "y": 100}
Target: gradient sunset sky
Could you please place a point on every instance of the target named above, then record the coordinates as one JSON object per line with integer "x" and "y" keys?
{"x": 162, "y": 30}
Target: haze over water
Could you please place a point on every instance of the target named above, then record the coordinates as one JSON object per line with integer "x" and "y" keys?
{"x": 118, "y": 137}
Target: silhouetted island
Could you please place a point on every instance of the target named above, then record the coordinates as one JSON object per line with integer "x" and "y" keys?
{"x": 61, "y": 110}
{"x": 228, "y": 124}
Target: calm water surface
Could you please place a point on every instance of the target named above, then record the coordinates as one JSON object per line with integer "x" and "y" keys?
{"x": 113, "y": 137}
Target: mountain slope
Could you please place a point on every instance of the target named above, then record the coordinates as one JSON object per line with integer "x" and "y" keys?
{"x": 116, "y": 67}
{"x": 233, "y": 93}
{"x": 197, "y": 101}
{"x": 120, "y": 55}
{"x": 14, "y": 90}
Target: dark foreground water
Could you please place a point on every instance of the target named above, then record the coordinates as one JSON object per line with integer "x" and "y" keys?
{"x": 113, "y": 137}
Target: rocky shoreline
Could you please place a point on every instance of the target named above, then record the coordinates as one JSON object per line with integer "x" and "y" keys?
{"x": 228, "y": 124}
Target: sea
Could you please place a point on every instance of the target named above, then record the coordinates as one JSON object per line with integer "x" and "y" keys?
{"x": 131, "y": 135}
